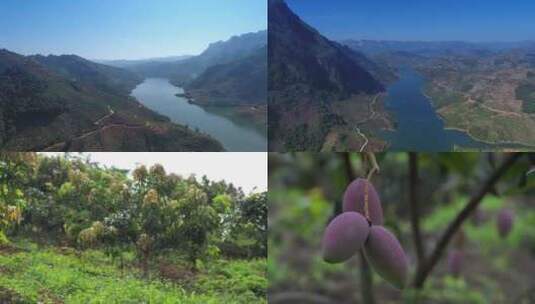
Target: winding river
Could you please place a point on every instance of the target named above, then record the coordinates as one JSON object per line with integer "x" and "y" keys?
{"x": 419, "y": 128}
{"x": 160, "y": 96}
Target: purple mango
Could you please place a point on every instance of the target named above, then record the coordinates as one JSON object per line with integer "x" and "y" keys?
{"x": 354, "y": 200}
{"x": 505, "y": 222}
{"x": 455, "y": 262}
{"x": 344, "y": 236}
{"x": 387, "y": 257}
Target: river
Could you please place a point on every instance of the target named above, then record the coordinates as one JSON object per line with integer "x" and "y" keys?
{"x": 160, "y": 96}
{"x": 419, "y": 127}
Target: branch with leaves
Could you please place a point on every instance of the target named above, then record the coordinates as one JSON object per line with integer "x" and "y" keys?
{"x": 471, "y": 206}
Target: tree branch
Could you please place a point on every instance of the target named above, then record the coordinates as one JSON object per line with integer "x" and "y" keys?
{"x": 415, "y": 209}
{"x": 472, "y": 204}
{"x": 366, "y": 280}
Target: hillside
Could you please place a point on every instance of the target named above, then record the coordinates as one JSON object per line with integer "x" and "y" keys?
{"x": 96, "y": 231}
{"x": 300, "y": 55}
{"x": 483, "y": 89}
{"x": 47, "y": 102}
{"x": 229, "y": 78}
{"x": 221, "y": 52}
{"x": 102, "y": 77}
{"x": 240, "y": 82}
{"x": 308, "y": 76}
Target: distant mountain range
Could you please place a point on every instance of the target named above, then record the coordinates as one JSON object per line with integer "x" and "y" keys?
{"x": 307, "y": 72}
{"x": 226, "y": 73}
{"x": 435, "y": 48}
{"x": 128, "y": 63}
{"x": 67, "y": 103}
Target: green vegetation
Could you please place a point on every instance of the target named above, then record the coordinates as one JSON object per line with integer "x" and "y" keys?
{"x": 52, "y": 275}
{"x": 56, "y": 101}
{"x": 74, "y": 232}
{"x": 526, "y": 93}
{"x": 481, "y": 123}
{"x": 240, "y": 82}
{"x": 442, "y": 98}
{"x": 493, "y": 269}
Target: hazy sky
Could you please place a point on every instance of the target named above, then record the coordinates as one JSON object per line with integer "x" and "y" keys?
{"x": 245, "y": 170}
{"x": 471, "y": 20}
{"x": 125, "y": 29}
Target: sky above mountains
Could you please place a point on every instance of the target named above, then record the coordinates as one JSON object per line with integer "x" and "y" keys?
{"x": 125, "y": 29}
{"x": 428, "y": 20}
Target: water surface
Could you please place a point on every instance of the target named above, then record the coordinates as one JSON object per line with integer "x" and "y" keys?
{"x": 419, "y": 127}
{"x": 159, "y": 95}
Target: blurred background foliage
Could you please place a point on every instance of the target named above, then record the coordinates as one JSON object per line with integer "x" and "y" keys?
{"x": 307, "y": 188}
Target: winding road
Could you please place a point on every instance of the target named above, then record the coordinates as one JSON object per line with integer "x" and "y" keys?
{"x": 372, "y": 116}
{"x": 366, "y": 141}
{"x": 98, "y": 123}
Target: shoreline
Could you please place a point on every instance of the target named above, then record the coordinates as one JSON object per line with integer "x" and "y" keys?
{"x": 240, "y": 115}
{"x": 498, "y": 145}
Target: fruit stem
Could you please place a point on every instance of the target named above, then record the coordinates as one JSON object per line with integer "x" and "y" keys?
{"x": 374, "y": 168}
{"x": 370, "y": 157}
{"x": 366, "y": 208}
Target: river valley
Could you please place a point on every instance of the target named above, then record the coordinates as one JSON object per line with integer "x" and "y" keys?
{"x": 418, "y": 126}
{"x": 159, "y": 95}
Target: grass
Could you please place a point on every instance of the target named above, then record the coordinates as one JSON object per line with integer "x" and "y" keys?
{"x": 49, "y": 275}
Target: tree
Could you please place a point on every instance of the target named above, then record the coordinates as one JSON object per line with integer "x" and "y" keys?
{"x": 253, "y": 221}
{"x": 15, "y": 168}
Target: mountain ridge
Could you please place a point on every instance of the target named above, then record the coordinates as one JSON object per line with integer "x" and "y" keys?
{"x": 50, "y": 101}
{"x": 243, "y": 81}
{"x": 324, "y": 64}
{"x": 308, "y": 75}
{"x": 220, "y": 52}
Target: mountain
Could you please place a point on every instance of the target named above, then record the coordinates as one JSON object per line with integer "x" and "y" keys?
{"x": 307, "y": 74}
{"x": 77, "y": 69}
{"x": 183, "y": 71}
{"x": 239, "y": 82}
{"x": 300, "y": 55}
{"x": 123, "y": 63}
{"x": 235, "y": 48}
{"x": 434, "y": 48}
{"x": 67, "y": 103}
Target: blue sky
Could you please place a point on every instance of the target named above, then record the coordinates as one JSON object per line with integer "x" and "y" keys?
{"x": 125, "y": 29}
{"x": 470, "y": 20}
